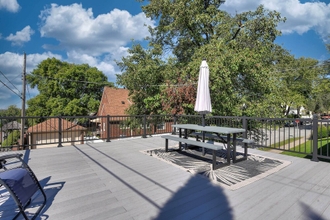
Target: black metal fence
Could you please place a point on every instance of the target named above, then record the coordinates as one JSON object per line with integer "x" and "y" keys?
{"x": 281, "y": 134}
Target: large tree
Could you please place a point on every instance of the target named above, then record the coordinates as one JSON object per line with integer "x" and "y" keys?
{"x": 142, "y": 74}
{"x": 240, "y": 51}
{"x": 65, "y": 89}
{"x": 299, "y": 80}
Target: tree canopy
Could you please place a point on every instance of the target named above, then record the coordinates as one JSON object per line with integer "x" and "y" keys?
{"x": 249, "y": 73}
{"x": 12, "y": 112}
{"x": 65, "y": 89}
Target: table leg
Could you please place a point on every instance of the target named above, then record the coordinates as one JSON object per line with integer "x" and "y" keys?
{"x": 166, "y": 145}
{"x": 203, "y": 140}
{"x": 180, "y": 135}
{"x": 234, "y": 148}
{"x": 185, "y": 136}
{"x": 228, "y": 148}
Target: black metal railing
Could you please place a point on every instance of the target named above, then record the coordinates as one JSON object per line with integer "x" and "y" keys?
{"x": 283, "y": 134}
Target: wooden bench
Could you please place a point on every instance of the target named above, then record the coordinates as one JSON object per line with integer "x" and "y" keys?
{"x": 223, "y": 139}
{"x": 213, "y": 147}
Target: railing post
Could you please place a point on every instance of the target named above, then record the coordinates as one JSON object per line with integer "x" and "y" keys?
{"x": 315, "y": 141}
{"x": 174, "y": 122}
{"x": 108, "y": 128}
{"x": 245, "y": 127}
{"x": 144, "y": 135}
{"x": 59, "y": 132}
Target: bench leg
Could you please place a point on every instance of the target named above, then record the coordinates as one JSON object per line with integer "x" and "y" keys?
{"x": 180, "y": 135}
{"x": 234, "y": 148}
{"x": 228, "y": 148}
{"x": 245, "y": 150}
{"x": 166, "y": 145}
{"x": 214, "y": 162}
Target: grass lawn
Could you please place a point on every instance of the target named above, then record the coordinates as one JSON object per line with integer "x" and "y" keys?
{"x": 306, "y": 148}
{"x": 281, "y": 143}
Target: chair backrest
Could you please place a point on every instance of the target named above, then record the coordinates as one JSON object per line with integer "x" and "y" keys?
{"x": 20, "y": 181}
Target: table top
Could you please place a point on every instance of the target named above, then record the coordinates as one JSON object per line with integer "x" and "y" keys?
{"x": 215, "y": 129}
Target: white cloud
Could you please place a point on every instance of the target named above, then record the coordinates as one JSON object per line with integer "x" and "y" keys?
{"x": 301, "y": 17}
{"x": 78, "y": 30}
{"x": 21, "y": 36}
{"x": 105, "y": 63}
{"x": 9, "y": 5}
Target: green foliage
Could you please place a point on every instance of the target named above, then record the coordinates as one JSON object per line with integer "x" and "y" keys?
{"x": 246, "y": 76}
{"x": 11, "y": 111}
{"x": 322, "y": 132}
{"x": 319, "y": 102}
{"x": 300, "y": 81}
{"x": 65, "y": 89}
{"x": 142, "y": 72}
{"x": 12, "y": 139}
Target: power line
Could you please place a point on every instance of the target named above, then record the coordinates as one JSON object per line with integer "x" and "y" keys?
{"x": 9, "y": 80}
{"x": 70, "y": 80}
{"x": 28, "y": 91}
{"x": 10, "y": 89}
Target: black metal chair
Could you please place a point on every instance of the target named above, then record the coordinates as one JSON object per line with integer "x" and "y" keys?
{"x": 20, "y": 181}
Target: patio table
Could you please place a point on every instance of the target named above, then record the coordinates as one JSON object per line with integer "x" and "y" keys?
{"x": 228, "y": 131}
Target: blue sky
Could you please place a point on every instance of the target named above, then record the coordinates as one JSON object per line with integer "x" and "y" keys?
{"x": 99, "y": 32}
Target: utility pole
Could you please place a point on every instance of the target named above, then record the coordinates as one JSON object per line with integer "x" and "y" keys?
{"x": 23, "y": 102}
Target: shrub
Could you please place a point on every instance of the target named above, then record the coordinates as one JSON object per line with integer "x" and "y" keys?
{"x": 322, "y": 132}
{"x": 11, "y": 139}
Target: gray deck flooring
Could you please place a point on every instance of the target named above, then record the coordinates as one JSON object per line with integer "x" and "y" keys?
{"x": 115, "y": 180}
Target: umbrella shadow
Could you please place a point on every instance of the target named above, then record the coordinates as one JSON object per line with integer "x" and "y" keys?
{"x": 197, "y": 199}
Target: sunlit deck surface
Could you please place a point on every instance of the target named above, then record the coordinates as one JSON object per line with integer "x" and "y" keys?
{"x": 114, "y": 180}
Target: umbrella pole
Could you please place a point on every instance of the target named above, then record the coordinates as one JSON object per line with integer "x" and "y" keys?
{"x": 203, "y": 124}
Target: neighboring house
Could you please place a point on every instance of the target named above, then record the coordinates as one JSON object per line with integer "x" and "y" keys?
{"x": 47, "y": 133}
{"x": 114, "y": 102}
{"x": 6, "y": 129}
{"x": 10, "y": 126}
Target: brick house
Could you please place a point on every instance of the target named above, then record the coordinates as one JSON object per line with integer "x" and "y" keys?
{"x": 47, "y": 132}
{"x": 114, "y": 103}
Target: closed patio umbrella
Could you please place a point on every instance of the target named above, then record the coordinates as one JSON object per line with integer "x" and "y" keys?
{"x": 203, "y": 99}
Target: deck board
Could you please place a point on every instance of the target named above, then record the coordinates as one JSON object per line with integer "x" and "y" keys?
{"x": 114, "y": 180}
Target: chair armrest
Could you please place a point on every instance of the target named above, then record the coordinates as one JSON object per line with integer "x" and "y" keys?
{"x": 4, "y": 158}
{"x": 9, "y": 156}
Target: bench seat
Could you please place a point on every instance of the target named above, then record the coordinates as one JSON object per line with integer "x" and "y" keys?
{"x": 213, "y": 147}
{"x": 221, "y": 138}
{"x": 191, "y": 142}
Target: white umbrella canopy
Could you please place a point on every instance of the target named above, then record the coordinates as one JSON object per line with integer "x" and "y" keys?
{"x": 203, "y": 99}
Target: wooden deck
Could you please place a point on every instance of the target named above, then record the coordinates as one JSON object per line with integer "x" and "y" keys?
{"x": 115, "y": 180}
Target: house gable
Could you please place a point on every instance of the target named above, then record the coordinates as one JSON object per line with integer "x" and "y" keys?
{"x": 115, "y": 101}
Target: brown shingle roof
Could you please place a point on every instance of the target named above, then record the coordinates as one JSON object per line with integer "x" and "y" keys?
{"x": 114, "y": 101}
{"x": 52, "y": 125}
